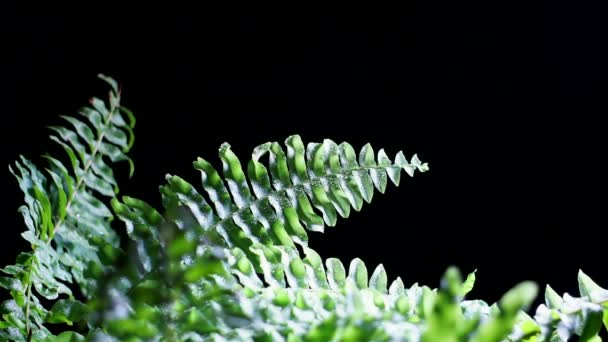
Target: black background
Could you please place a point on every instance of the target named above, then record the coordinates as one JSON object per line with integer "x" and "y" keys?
{"x": 505, "y": 102}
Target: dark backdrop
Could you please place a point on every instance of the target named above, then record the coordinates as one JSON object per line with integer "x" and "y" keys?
{"x": 505, "y": 102}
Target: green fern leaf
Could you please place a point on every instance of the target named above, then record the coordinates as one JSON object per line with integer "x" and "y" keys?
{"x": 68, "y": 227}
{"x": 306, "y": 189}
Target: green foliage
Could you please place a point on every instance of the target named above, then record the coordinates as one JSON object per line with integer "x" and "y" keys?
{"x": 68, "y": 225}
{"x": 229, "y": 259}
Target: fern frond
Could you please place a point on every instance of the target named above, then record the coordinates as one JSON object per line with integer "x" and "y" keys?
{"x": 562, "y": 317}
{"x": 68, "y": 227}
{"x": 305, "y": 189}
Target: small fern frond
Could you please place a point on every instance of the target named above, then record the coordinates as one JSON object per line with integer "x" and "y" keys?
{"x": 68, "y": 227}
{"x": 306, "y": 189}
{"x": 563, "y": 317}
{"x": 107, "y": 138}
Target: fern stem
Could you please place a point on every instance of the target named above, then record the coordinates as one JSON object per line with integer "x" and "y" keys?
{"x": 28, "y": 328}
